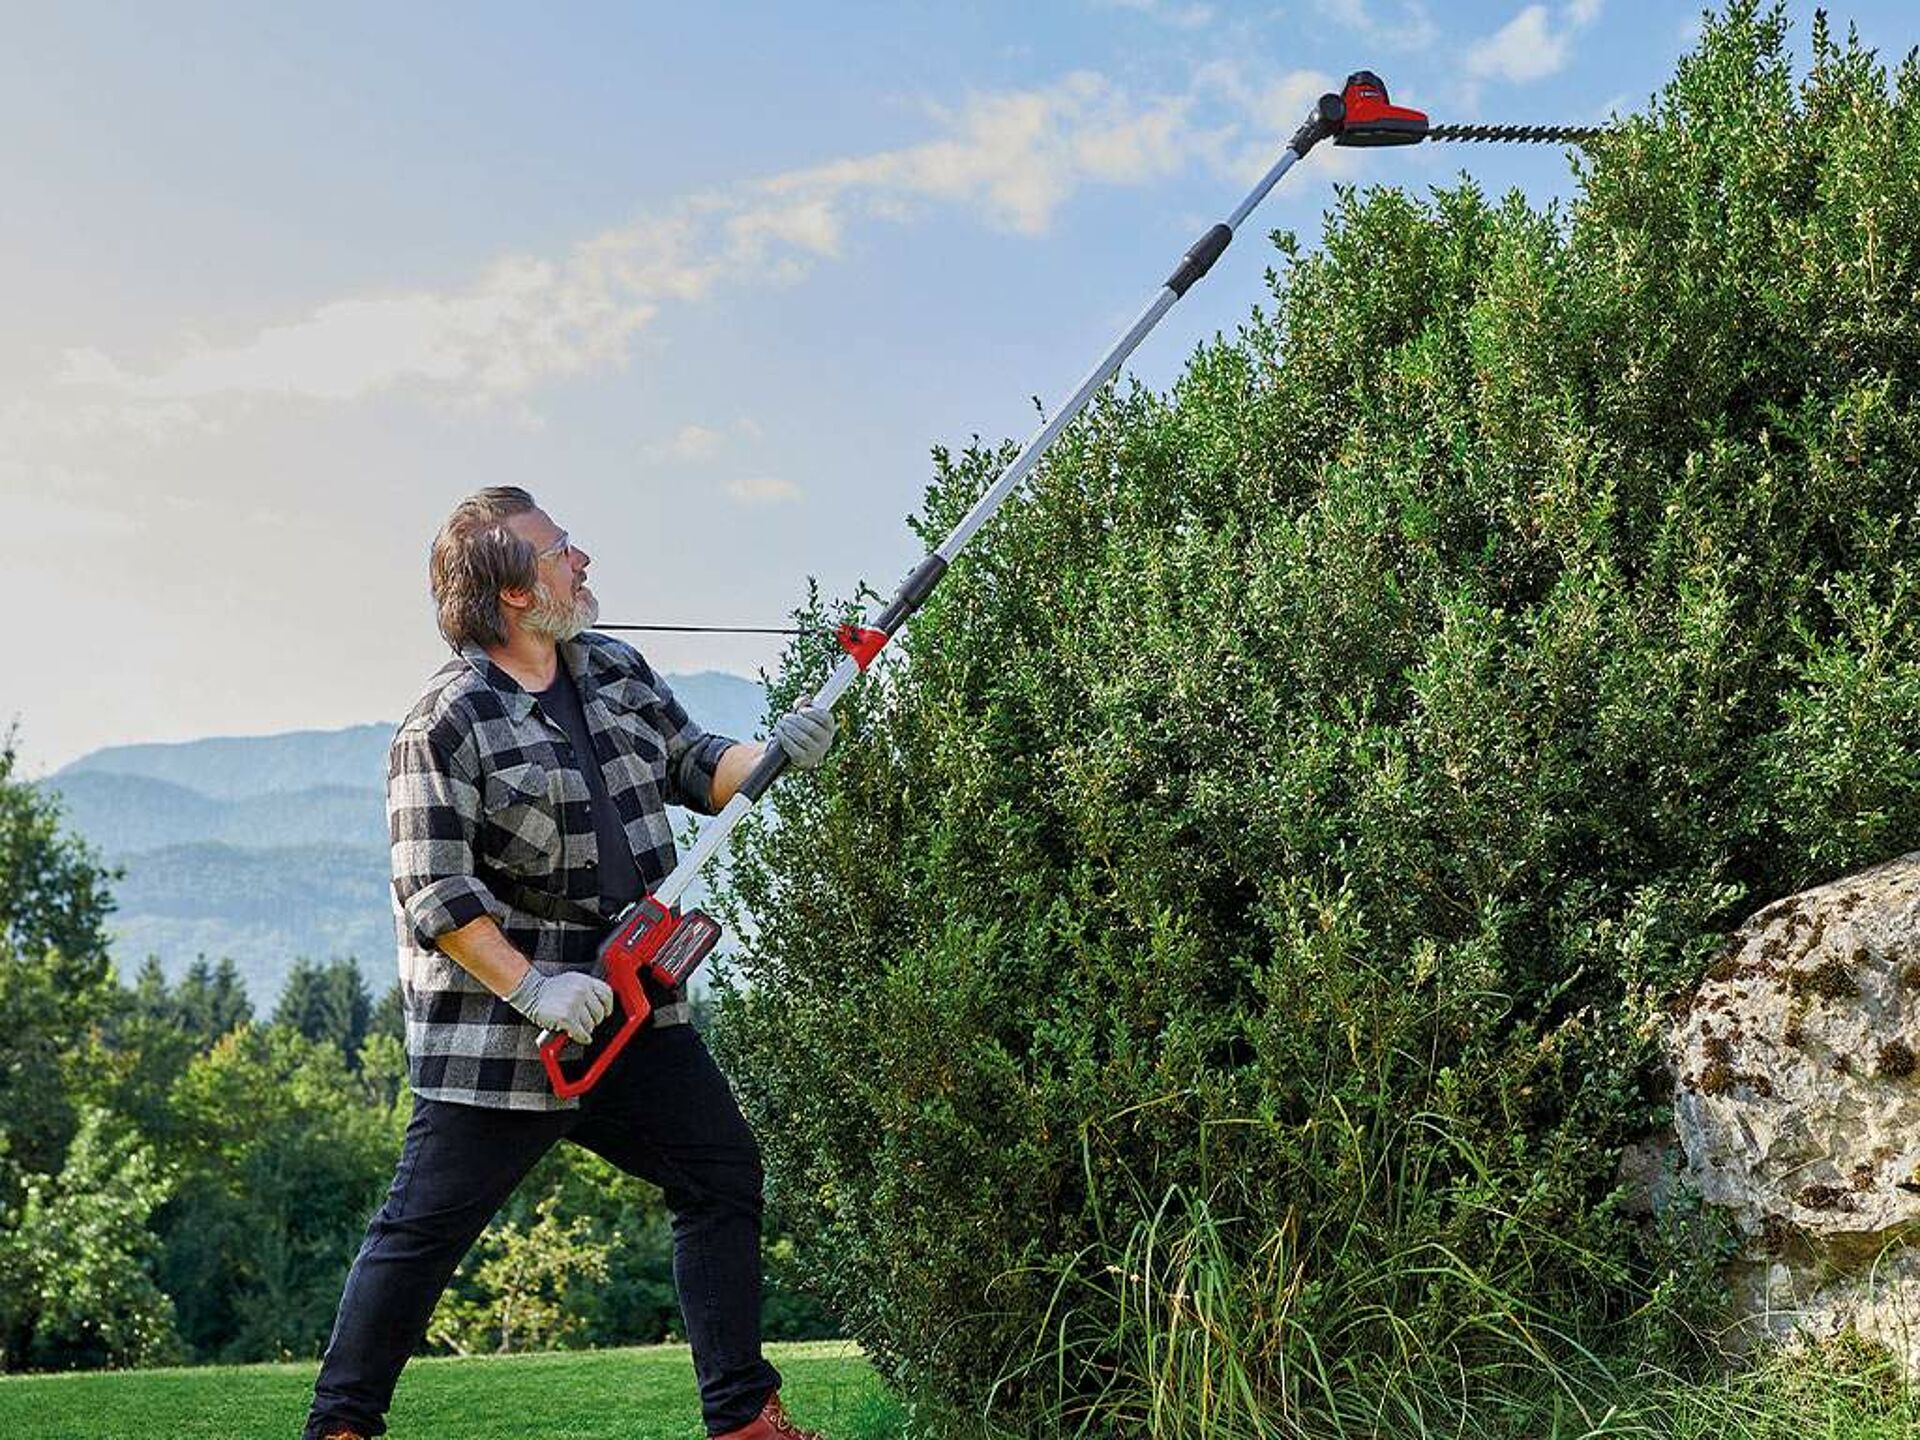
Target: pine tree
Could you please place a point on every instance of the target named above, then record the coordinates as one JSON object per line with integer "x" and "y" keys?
{"x": 329, "y": 1004}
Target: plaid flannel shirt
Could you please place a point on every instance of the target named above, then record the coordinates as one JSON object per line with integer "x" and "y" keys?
{"x": 479, "y": 780}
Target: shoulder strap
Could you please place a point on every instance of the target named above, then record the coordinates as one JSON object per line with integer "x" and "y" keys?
{"x": 556, "y": 908}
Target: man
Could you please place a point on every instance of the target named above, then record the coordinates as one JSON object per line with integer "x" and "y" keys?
{"x": 526, "y": 797}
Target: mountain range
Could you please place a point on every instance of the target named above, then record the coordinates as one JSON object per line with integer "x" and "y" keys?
{"x": 273, "y": 848}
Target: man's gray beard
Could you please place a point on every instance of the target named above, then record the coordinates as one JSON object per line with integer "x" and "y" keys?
{"x": 559, "y": 619}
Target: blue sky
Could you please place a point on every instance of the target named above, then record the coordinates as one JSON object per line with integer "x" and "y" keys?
{"x": 282, "y": 283}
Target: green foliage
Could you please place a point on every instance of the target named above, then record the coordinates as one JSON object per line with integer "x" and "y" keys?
{"x": 389, "y": 1016}
{"x": 329, "y": 1004}
{"x": 277, "y": 1147}
{"x": 525, "y": 1278}
{"x": 220, "y": 1184}
{"x": 1305, "y": 799}
{"x": 1843, "y": 770}
{"x": 623, "y": 1292}
{"x": 77, "y": 1261}
{"x": 133, "y": 1057}
{"x": 283, "y": 1153}
{"x": 211, "y": 1001}
{"x": 53, "y": 896}
{"x": 53, "y": 970}
{"x": 634, "y": 1299}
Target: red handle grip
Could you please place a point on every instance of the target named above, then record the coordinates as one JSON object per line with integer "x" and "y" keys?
{"x": 649, "y": 939}
{"x": 572, "y": 1088}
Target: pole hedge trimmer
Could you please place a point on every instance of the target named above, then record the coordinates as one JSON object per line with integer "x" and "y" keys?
{"x": 651, "y": 939}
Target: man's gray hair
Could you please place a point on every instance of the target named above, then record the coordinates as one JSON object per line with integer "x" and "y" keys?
{"x": 475, "y": 556}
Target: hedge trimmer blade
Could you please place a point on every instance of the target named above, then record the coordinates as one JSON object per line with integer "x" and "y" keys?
{"x": 1362, "y": 114}
{"x": 1519, "y": 134}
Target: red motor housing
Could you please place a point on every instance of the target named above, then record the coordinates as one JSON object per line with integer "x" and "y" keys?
{"x": 1369, "y": 118}
{"x": 650, "y": 941}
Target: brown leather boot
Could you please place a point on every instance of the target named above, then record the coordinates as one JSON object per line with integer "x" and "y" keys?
{"x": 772, "y": 1423}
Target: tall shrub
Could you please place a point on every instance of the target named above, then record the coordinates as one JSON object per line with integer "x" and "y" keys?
{"x": 78, "y": 1263}
{"x": 1292, "y": 813}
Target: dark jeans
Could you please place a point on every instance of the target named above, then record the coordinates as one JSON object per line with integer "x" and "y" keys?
{"x": 663, "y": 1112}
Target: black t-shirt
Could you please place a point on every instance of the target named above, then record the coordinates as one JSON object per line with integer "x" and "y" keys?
{"x": 620, "y": 882}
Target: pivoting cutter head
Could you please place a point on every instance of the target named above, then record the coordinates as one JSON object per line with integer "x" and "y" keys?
{"x": 1368, "y": 118}
{"x": 1361, "y": 114}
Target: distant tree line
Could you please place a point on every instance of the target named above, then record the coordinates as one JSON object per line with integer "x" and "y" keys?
{"x": 181, "y": 1179}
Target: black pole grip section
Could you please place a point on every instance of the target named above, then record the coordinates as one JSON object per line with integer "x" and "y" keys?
{"x": 1200, "y": 258}
{"x": 912, "y": 593}
{"x": 1329, "y": 115}
{"x": 765, "y": 772}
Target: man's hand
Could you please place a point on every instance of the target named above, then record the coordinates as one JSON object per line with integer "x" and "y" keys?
{"x": 571, "y": 1001}
{"x": 805, "y": 735}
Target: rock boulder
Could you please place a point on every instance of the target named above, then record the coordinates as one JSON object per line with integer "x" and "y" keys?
{"x": 1797, "y": 1106}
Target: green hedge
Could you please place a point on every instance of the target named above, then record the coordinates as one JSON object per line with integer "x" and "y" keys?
{"x": 1299, "y": 806}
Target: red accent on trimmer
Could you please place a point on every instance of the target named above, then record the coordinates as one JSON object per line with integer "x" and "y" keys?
{"x": 861, "y": 643}
{"x": 649, "y": 941}
{"x": 1370, "y": 119}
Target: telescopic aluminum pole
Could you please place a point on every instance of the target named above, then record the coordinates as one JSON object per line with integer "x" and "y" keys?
{"x": 862, "y": 643}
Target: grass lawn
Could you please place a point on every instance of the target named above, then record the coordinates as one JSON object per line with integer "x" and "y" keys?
{"x": 640, "y": 1394}
{"x": 644, "y": 1394}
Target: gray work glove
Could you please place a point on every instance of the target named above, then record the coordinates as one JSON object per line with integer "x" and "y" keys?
{"x": 805, "y": 735}
{"x": 572, "y": 1001}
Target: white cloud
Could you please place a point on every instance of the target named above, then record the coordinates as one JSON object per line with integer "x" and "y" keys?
{"x": 33, "y": 425}
{"x": 1612, "y": 107}
{"x": 1267, "y": 111}
{"x": 1015, "y": 157}
{"x": 811, "y": 226}
{"x": 1523, "y": 49}
{"x": 698, "y": 444}
{"x": 1018, "y": 155}
{"x": 1531, "y": 46}
{"x": 1409, "y": 28}
{"x": 87, "y": 366}
{"x": 1012, "y": 158}
{"x": 523, "y": 321}
{"x": 762, "y": 490}
{"x": 51, "y": 506}
{"x": 693, "y": 442}
{"x": 1180, "y": 17}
